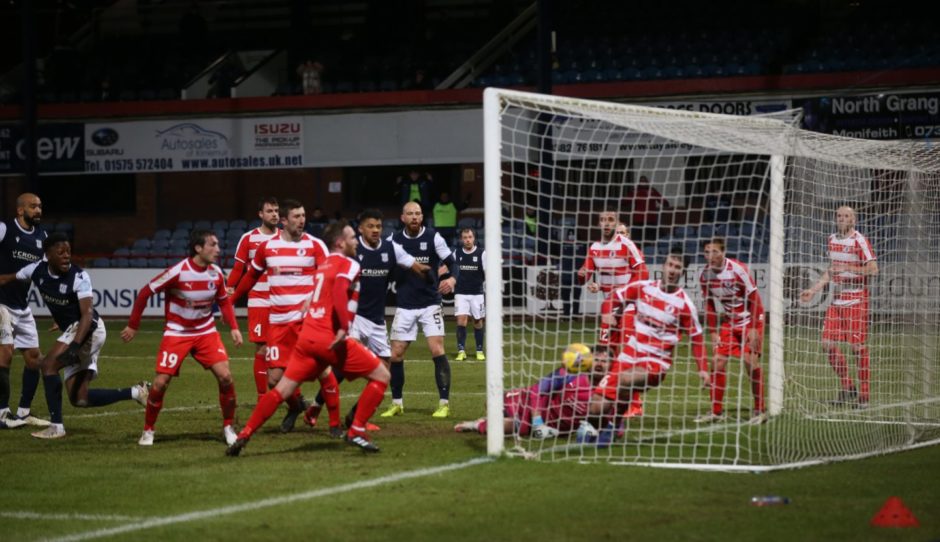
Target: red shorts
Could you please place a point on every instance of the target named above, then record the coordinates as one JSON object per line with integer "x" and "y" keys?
{"x": 207, "y": 349}
{"x": 281, "y": 340}
{"x": 258, "y": 324}
{"x": 313, "y": 355}
{"x": 609, "y": 386}
{"x": 847, "y": 323}
{"x": 731, "y": 339}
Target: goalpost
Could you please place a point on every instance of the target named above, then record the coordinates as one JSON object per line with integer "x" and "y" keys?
{"x": 771, "y": 191}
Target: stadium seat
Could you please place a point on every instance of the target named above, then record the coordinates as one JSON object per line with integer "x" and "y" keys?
{"x": 184, "y": 225}
{"x": 220, "y": 225}
{"x": 101, "y": 263}
{"x": 157, "y": 262}
{"x": 180, "y": 233}
{"x": 238, "y": 225}
{"x": 119, "y": 261}
{"x": 137, "y": 262}
{"x": 202, "y": 225}
{"x": 162, "y": 234}
{"x": 141, "y": 243}
{"x": 122, "y": 252}
{"x": 233, "y": 236}
{"x": 254, "y": 223}
{"x": 138, "y": 252}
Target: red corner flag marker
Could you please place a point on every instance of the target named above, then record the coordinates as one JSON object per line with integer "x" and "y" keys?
{"x": 894, "y": 514}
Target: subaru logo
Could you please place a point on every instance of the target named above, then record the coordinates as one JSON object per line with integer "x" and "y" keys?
{"x": 105, "y": 137}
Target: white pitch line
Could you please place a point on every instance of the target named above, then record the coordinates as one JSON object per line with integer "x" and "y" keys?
{"x": 68, "y": 517}
{"x": 213, "y": 513}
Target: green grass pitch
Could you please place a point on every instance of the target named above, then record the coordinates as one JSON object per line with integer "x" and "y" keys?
{"x": 98, "y": 484}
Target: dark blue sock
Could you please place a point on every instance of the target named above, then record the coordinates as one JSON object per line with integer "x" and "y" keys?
{"x": 52, "y": 384}
{"x": 398, "y": 379}
{"x": 442, "y": 375}
{"x": 461, "y": 337}
{"x": 102, "y": 396}
{"x": 4, "y": 387}
{"x": 478, "y": 338}
{"x": 30, "y": 383}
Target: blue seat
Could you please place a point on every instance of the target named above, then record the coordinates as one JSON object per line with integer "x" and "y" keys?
{"x": 220, "y": 225}
{"x": 238, "y": 224}
{"x": 141, "y": 243}
{"x": 119, "y": 261}
{"x": 202, "y": 225}
{"x": 139, "y": 262}
{"x": 101, "y": 262}
{"x": 233, "y": 236}
{"x": 158, "y": 262}
{"x": 122, "y": 252}
{"x": 162, "y": 234}
{"x": 254, "y": 223}
{"x": 180, "y": 233}
{"x": 706, "y": 231}
{"x": 184, "y": 225}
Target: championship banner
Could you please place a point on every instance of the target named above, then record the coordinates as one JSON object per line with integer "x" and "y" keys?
{"x": 194, "y": 145}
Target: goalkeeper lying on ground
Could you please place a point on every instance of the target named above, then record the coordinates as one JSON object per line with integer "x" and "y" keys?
{"x": 554, "y": 404}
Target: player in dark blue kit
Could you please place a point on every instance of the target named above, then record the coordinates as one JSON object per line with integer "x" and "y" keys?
{"x": 419, "y": 302}
{"x": 468, "y": 297}
{"x": 66, "y": 290}
{"x": 378, "y": 260}
{"x": 20, "y": 245}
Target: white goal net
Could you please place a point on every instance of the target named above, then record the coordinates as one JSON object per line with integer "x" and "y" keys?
{"x": 863, "y": 380}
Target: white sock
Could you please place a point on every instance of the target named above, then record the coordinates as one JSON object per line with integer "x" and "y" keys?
{"x": 4, "y": 412}
{"x": 135, "y": 392}
{"x": 399, "y": 402}
{"x": 59, "y": 427}
{"x": 444, "y": 402}
{"x": 22, "y": 412}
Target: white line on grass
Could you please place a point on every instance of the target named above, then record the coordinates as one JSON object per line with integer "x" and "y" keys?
{"x": 213, "y": 513}
{"x": 68, "y": 517}
{"x": 208, "y": 406}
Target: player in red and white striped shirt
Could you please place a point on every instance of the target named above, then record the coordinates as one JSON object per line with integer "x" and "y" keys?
{"x": 614, "y": 262}
{"x": 191, "y": 288}
{"x": 324, "y": 343}
{"x": 664, "y": 312}
{"x": 852, "y": 263}
{"x": 289, "y": 260}
{"x": 727, "y": 285}
{"x": 258, "y": 298}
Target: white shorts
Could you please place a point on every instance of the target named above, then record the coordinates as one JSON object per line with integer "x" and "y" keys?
{"x": 405, "y": 324}
{"x": 372, "y": 335}
{"x": 471, "y": 305}
{"x": 89, "y": 352}
{"x": 19, "y": 328}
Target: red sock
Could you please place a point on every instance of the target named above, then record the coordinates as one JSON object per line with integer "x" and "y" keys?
{"x": 864, "y": 374}
{"x": 719, "y": 383}
{"x": 757, "y": 388}
{"x": 227, "y": 402}
{"x": 837, "y": 360}
{"x": 293, "y": 402}
{"x": 260, "y": 370}
{"x": 265, "y": 408}
{"x": 329, "y": 387}
{"x": 154, "y": 404}
{"x": 370, "y": 399}
{"x": 481, "y": 426}
{"x": 636, "y": 401}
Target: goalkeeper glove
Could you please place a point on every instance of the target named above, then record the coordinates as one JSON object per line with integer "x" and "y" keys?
{"x": 70, "y": 356}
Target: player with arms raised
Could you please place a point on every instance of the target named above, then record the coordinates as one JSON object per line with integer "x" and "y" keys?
{"x": 727, "y": 283}
{"x": 852, "y": 264}
{"x": 259, "y": 297}
{"x": 323, "y": 343}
